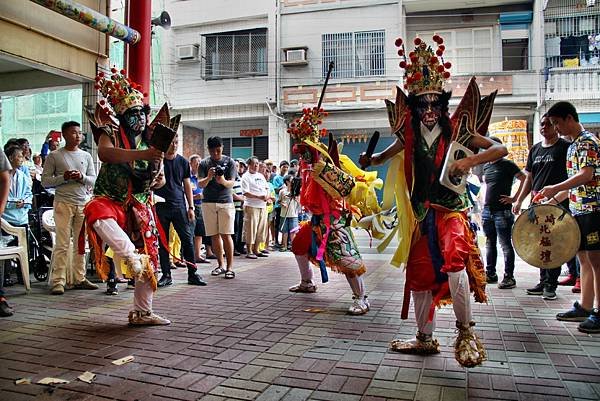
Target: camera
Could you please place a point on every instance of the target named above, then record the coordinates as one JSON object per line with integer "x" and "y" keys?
{"x": 296, "y": 186}
{"x": 219, "y": 170}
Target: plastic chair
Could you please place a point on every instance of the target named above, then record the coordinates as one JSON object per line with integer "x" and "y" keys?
{"x": 19, "y": 252}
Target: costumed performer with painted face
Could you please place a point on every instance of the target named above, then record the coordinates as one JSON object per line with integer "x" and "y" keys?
{"x": 332, "y": 189}
{"x": 443, "y": 263}
{"x": 120, "y": 214}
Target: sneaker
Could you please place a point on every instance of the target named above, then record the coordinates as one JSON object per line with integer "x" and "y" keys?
{"x": 549, "y": 294}
{"x": 576, "y": 314}
{"x": 491, "y": 278}
{"x": 165, "y": 281}
{"x": 112, "y": 290}
{"x": 195, "y": 279}
{"x": 592, "y": 324}
{"x": 507, "y": 283}
{"x": 537, "y": 290}
{"x": 57, "y": 289}
{"x": 86, "y": 285}
{"x": 577, "y": 287}
{"x": 131, "y": 284}
{"x": 360, "y": 306}
{"x": 140, "y": 318}
{"x": 569, "y": 280}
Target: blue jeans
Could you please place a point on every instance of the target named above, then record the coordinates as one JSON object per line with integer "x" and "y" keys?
{"x": 498, "y": 225}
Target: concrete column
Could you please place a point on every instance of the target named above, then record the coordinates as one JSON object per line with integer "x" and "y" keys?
{"x": 279, "y": 139}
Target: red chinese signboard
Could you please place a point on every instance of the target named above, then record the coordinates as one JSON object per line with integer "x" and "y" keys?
{"x": 251, "y": 132}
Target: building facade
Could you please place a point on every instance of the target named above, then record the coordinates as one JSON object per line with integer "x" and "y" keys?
{"x": 223, "y": 76}
{"x": 42, "y": 51}
{"x": 572, "y": 54}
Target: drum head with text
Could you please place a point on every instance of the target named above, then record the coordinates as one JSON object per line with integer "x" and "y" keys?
{"x": 546, "y": 236}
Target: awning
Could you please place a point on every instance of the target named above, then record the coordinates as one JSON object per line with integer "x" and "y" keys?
{"x": 589, "y": 118}
{"x": 515, "y": 25}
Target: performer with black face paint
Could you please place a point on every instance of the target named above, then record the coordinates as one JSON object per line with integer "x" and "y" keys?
{"x": 443, "y": 262}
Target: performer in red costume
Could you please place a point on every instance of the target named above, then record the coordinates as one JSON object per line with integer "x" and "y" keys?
{"x": 444, "y": 262}
{"x": 327, "y": 189}
{"x": 120, "y": 214}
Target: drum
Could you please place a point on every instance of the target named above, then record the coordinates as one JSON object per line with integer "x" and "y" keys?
{"x": 546, "y": 236}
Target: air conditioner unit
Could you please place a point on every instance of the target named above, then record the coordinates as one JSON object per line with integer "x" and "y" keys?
{"x": 295, "y": 56}
{"x": 187, "y": 52}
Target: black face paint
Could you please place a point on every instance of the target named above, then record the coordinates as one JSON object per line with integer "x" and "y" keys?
{"x": 135, "y": 119}
{"x": 429, "y": 109}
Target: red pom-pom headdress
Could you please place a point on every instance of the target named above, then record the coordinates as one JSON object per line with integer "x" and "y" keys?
{"x": 424, "y": 70}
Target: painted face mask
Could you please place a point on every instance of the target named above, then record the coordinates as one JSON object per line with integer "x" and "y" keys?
{"x": 429, "y": 109}
{"x": 136, "y": 119}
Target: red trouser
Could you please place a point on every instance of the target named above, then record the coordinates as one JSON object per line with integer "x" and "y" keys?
{"x": 454, "y": 241}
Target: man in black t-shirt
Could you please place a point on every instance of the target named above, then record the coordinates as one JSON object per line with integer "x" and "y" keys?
{"x": 546, "y": 165}
{"x": 498, "y": 218}
{"x": 217, "y": 175}
{"x": 177, "y": 209}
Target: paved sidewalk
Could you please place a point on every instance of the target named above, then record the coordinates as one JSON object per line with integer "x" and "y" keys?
{"x": 251, "y": 339}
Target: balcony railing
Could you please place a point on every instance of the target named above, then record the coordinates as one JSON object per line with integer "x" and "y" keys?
{"x": 573, "y": 83}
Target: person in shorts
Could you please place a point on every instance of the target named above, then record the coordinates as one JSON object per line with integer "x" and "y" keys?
{"x": 583, "y": 190}
{"x": 217, "y": 175}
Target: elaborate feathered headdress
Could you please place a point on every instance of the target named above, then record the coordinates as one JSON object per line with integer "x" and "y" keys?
{"x": 120, "y": 92}
{"x": 424, "y": 70}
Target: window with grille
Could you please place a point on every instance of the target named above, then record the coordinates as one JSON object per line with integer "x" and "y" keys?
{"x": 235, "y": 54}
{"x": 355, "y": 54}
{"x": 572, "y": 31}
{"x": 469, "y": 50}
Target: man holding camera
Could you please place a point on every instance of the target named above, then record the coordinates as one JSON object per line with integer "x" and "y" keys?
{"x": 217, "y": 175}
{"x": 71, "y": 171}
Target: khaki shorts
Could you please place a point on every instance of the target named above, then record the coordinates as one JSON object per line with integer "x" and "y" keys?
{"x": 255, "y": 224}
{"x": 218, "y": 218}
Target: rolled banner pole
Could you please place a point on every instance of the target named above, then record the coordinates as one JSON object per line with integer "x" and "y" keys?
{"x": 329, "y": 69}
{"x": 91, "y": 18}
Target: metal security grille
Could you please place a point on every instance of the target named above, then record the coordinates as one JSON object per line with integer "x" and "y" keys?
{"x": 355, "y": 54}
{"x": 568, "y": 19}
{"x": 235, "y": 54}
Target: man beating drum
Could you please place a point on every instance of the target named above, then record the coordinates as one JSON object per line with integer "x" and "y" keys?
{"x": 582, "y": 187}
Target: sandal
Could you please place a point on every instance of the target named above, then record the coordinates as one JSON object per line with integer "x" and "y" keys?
{"x": 251, "y": 256}
{"x": 218, "y": 271}
{"x": 229, "y": 274}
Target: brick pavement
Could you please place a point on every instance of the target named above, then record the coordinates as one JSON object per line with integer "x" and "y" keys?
{"x": 250, "y": 339}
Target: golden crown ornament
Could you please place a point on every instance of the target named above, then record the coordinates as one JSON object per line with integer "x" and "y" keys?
{"x": 424, "y": 70}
